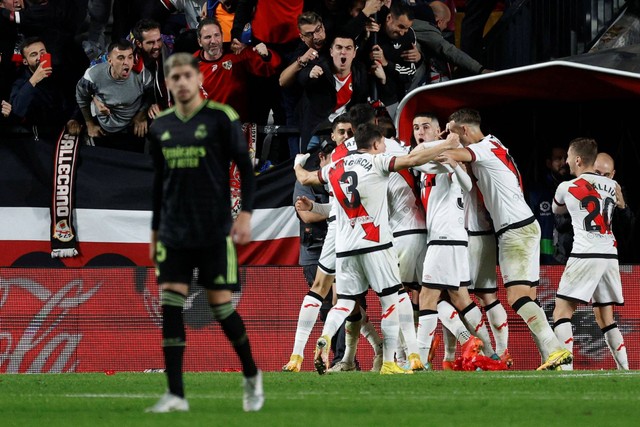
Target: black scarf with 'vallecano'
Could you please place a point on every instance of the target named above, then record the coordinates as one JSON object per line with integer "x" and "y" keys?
{"x": 63, "y": 234}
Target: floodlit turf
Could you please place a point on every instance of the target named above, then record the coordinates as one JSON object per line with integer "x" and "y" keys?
{"x": 518, "y": 398}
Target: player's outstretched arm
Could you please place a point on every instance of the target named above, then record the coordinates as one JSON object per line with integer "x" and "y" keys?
{"x": 422, "y": 154}
{"x": 458, "y": 154}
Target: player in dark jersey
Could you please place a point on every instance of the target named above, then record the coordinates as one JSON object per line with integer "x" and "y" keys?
{"x": 192, "y": 145}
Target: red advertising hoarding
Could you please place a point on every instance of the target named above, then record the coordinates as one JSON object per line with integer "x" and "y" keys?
{"x": 102, "y": 319}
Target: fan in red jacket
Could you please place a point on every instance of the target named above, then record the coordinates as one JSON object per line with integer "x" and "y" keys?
{"x": 224, "y": 73}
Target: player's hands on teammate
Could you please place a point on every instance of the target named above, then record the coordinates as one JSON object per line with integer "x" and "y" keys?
{"x": 300, "y": 159}
{"x": 303, "y": 204}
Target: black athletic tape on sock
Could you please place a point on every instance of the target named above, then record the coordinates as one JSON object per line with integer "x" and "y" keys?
{"x": 467, "y": 309}
{"x": 389, "y": 291}
{"x": 520, "y": 302}
{"x": 315, "y": 295}
{"x": 426, "y": 312}
{"x": 490, "y": 306}
{"x": 606, "y": 329}
{"x": 560, "y": 322}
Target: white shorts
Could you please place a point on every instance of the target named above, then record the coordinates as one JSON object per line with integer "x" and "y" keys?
{"x": 482, "y": 263}
{"x": 327, "y": 260}
{"x": 591, "y": 279}
{"x": 411, "y": 249}
{"x": 378, "y": 269}
{"x": 446, "y": 267}
{"x": 519, "y": 255}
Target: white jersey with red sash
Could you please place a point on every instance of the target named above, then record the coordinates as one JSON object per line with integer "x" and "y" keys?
{"x": 590, "y": 200}
{"x": 406, "y": 215}
{"x": 500, "y": 183}
{"x": 359, "y": 184}
{"x": 338, "y": 153}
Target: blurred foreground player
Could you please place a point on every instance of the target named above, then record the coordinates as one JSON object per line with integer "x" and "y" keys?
{"x": 192, "y": 145}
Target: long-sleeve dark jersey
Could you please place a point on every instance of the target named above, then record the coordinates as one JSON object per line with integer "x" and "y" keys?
{"x": 191, "y": 155}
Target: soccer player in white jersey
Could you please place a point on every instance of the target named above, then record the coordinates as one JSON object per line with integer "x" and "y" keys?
{"x": 517, "y": 229}
{"x": 399, "y": 192}
{"x": 482, "y": 268}
{"x": 358, "y": 322}
{"x": 341, "y": 131}
{"x": 407, "y": 223}
{"x": 592, "y": 272}
{"x": 446, "y": 264}
{"x": 364, "y": 248}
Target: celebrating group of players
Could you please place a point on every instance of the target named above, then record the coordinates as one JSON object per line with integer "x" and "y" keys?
{"x": 436, "y": 240}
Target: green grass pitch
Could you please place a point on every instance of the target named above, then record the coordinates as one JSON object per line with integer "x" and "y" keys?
{"x": 515, "y": 398}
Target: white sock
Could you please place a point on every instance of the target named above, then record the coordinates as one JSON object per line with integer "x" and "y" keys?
{"x": 536, "y": 320}
{"x": 473, "y": 317}
{"x": 497, "y": 317}
{"x": 427, "y": 323}
{"x": 337, "y": 316}
{"x": 405, "y": 315}
{"x": 450, "y": 319}
{"x": 390, "y": 325}
{"x": 306, "y": 320}
{"x": 351, "y": 337}
{"x": 564, "y": 331}
{"x": 615, "y": 342}
{"x": 449, "y": 345}
{"x": 370, "y": 333}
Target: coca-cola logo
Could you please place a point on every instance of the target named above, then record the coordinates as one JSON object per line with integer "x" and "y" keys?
{"x": 42, "y": 347}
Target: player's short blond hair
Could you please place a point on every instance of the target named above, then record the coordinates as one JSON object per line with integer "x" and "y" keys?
{"x": 179, "y": 59}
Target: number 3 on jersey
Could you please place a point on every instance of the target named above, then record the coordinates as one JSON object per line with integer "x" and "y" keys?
{"x": 349, "y": 185}
{"x": 345, "y": 187}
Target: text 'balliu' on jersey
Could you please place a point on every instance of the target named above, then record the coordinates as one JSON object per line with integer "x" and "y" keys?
{"x": 500, "y": 183}
{"x": 359, "y": 185}
{"x": 590, "y": 200}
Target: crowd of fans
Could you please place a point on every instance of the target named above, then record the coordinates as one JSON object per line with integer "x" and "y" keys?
{"x": 286, "y": 62}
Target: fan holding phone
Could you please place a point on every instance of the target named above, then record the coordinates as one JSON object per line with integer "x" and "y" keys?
{"x": 37, "y": 97}
{"x": 39, "y": 62}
